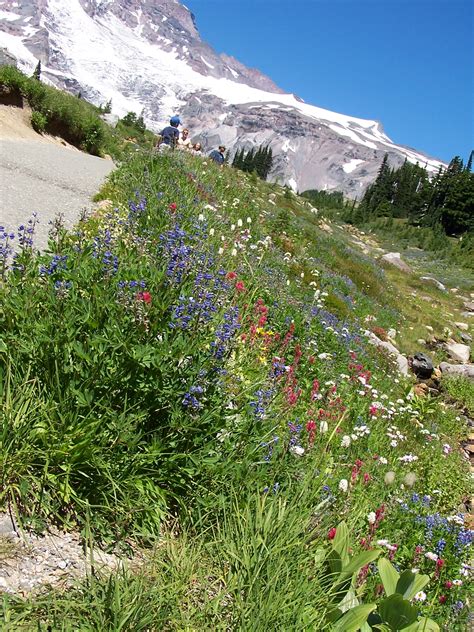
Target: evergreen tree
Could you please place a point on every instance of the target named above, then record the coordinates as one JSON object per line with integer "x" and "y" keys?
{"x": 37, "y": 72}
{"x": 247, "y": 164}
{"x": 377, "y": 193}
{"x": 238, "y": 159}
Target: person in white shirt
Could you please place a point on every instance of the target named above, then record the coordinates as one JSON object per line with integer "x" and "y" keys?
{"x": 184, "y": 141}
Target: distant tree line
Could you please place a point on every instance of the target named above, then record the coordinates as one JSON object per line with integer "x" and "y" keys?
{"x": 260, "y": 161}
{"x": 444, "y": 201}
{"x": 326, "y": 199}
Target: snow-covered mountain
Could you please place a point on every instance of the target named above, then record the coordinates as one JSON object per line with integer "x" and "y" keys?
{"x": 147, "y": 56}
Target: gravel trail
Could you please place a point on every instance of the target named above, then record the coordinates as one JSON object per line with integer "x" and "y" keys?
{"x": 47, "y": 178}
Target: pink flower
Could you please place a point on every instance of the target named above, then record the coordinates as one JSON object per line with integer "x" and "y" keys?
{"x": 239, "y": 286}
{"x": 231, "y": 276}
{"x": 448, "y": 585}
{"x": 144, "y": 296}
{"x": 442, "y": 599}
{"x": 332, "y": 533}
{"x": 173, "y": 206}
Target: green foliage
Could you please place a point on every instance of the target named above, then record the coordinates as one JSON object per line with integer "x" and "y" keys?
{"x": 445, "y": 201}
{"x": 259, "y": 161}
{"x": 325, "y": 199}
{"x": 201, "y": 379}
{"x": 461, "y": 390}
{"x": 38, "y": 122}
{"x": 77, "y": 121}
{"x": 37, "y": 72}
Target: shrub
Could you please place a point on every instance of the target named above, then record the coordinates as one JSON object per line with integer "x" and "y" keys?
{"x": 38, "y": 122}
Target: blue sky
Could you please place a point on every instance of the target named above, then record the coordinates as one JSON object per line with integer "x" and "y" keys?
{"x": 406, "y": 63}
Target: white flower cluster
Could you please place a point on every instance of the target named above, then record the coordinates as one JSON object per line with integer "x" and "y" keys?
{"x": 359, "y": 432}
{"x": 387, "y": 545}
{"x": 395, "y": 435}
{"x": 408, "y": 458}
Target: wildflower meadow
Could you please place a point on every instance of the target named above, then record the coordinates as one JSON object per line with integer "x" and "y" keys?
{"x": 187, "y": 374}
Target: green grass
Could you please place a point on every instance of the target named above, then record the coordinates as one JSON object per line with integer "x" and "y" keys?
{"x": 72, "y": 118}
{"x": 461, "y": 390}
{"x": 207, "y": 390}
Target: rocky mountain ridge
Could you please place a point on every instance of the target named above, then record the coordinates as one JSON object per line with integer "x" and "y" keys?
{"x": 148, "y": 57}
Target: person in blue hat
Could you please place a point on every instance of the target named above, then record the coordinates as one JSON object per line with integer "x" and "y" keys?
{"x": 170, "y": 134}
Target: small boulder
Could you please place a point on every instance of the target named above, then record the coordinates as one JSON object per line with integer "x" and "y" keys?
{"x": 467, "y": 338}
{"x": 469, "y": 305}
{"x": 458, "y": 352}
{"x": 434, "y": 281}
{"x": 463, "y": 326}
{"x": 422, "y": 366}
{"x": 395, "y": 260}
{"x": 466, "y": 370}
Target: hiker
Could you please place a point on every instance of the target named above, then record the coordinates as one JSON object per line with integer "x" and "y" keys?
{"x": 184, "y": 142}
{"x": 197, "y": 149}
{"x": 170, "y": 135}
{"x": 218, "y": 155}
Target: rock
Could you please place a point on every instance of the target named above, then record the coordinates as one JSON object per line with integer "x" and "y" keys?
{"x": 467, "y": 314}
{"x": 401, "y": 361}
{"x": 459, "y": 352}
{"x": 434, "y": 281}
{"x": 463, "y": 326}
{"x": 7, "y": 528}
{"x": 391, "y": 333}
{"x": 325, "y": 226}
{"x": 420, "y": 390}
{"x": 422, "y": 366}
{"x": 469, "y": 305}
{"x": 395, "y": 260}
{"x": 465, "y": 337}
{"x": 421, "y": 341}
{"x": 454, "y": 290}
{"x": 429, "y": 327}
{"x": 467, "y": 370}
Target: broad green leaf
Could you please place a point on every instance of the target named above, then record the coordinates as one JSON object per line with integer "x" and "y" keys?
{"x": 354, "y": 618}
{"x": 334, "y": 615}
{"x": 419, "y": 583}
{"x": 350, "y": 600}
{"x": 3, "y": 346}
{"x": 423, "y": 625}
{"x": 389, "y": 576}
{"x": 405, "y": 582}
{"x": 397, "y": 612}
{"x": 335, "y": 563}
{"x": 341, "y": 542}
{"x": 360, "y": 560}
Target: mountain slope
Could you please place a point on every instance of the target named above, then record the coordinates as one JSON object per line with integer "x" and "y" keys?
{"x": 149, "y": 56}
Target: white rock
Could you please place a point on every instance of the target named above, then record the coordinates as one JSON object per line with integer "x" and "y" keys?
{"x": 463, "y": 326}
{"x": 395, "y": 260}
{"x": 402, "y": 364}
{"x": 467, "y": 370}
{"x": 391, "y": 333}
{"x": 434, "y": 281}
{"x": 459, "y": 352}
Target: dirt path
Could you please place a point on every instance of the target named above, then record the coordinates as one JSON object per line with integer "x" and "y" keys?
{"x": 44, "y": 175}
